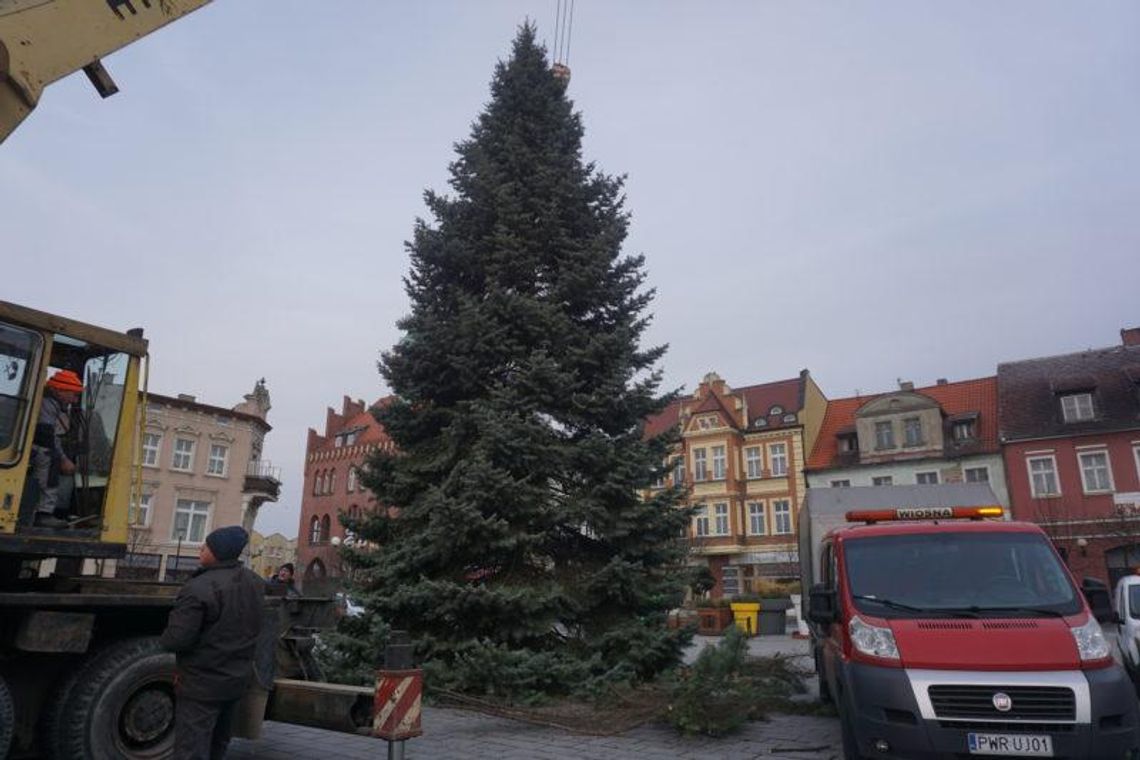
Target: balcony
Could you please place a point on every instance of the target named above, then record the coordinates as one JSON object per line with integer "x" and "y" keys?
{"x": 262, "y": 479}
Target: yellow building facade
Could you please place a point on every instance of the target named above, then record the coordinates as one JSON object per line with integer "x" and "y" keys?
{"x": 741, "y": 456}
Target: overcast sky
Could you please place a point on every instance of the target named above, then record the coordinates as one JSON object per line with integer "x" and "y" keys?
{"x": 873, "y": 190}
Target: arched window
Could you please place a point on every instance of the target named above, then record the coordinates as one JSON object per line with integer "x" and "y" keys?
{"x": 332, "y": 481}
{"x": 326, "y": 528}
{"x": 315, "y": 531}
{"x": 316, "y": 569}
{"x": 316, "y": 483}
{"x": 351, "y": 479}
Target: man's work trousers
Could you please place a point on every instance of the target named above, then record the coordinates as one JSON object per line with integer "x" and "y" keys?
{"x": 202, "y": 729}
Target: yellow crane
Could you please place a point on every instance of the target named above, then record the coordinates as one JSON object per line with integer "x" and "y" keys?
{"x": 42, "y": 41}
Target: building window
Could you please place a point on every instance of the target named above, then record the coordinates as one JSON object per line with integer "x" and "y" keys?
{"x": 782, "y": 516}
{"x": 315, "y": 531}
{"x": 1095, "y": 472}
{"x": 718, "y": 463}
{"x": 778, "y": 457}
{"x": 1136, "y": 456}
{"x": 884, "y": 435}
{"x": 721, "y": 511}
{"x": 700, "y": 466}
{"x": 352, "y": 479}
{"x": 883, "y": 480}
{"x": 702, "y": 520}
{"x": 964, "y": 430}
{"x": 1077, "y": 407}
{"x": 756, "y": 521}
{"x": 977, "y": 474}
{"x": 926, "y": 478}
{"x": 191, "y": 519}
{"x": 183, "y": 455}
{"x": 1043, "y": 476}
{"x": 332, "y": 482}
{"x": 142, "y": 510}
{"x": 316, "y": 484}
{"x": 151, "y": 443}
{"x": 754, "y": 462}
{"x": 841, "y": 483}
{"x": 326, "y": 529}
{"x": 218, "y": 457}
{"x": 678, "y": 471}
{"x": 658, "y": 480}
{"x": 912, "y": 429}
{"x": 848, "y": 443}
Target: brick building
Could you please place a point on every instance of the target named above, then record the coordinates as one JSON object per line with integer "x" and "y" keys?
{"x": 333, "y": 463}
{"x": 742, "y": 453}
{"x": 1070, "y": 428}
{"x": 944, "y": 433}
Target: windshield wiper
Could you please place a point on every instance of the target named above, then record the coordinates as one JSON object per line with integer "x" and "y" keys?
{"x": 1016, "y": 610}
{"x": 957, "y": 612}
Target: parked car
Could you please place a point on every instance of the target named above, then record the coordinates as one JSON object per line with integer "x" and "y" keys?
{"x": 1126, "y": 604}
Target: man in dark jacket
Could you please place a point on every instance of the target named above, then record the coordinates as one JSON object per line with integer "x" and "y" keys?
{"x": 213, "y": 632}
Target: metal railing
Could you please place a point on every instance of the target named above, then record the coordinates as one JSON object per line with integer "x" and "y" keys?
{"x": 262, "y": 469}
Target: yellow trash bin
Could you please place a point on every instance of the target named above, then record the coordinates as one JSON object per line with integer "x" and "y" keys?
{"x": 747, "y": 617}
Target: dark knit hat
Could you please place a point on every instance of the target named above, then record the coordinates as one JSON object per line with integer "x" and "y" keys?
{"x": 226, "y": 543}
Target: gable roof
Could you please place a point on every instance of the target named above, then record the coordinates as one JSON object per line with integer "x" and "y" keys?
{"x": 760, "y": 399}
{"x": 955, "y": 399}
{"x": 1029, "y": 391}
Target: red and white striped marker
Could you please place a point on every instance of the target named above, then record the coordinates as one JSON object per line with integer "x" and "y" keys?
{"x": 399, "y": 703}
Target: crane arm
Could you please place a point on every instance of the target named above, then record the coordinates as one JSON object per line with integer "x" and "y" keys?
{"x": 42, "y": 41}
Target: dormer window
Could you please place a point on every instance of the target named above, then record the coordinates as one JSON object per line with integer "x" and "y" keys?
{"x": 776, "y": 410}
{"x": 912, "y": 428}
{"x": 964, "y": 430}
{"x": 884, "y": 435}
{"x": 848, "y": 443}
{"x": 1077, "y": 407}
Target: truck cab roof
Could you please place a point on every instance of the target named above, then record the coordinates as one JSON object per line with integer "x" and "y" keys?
{"x": 912, "y": 527}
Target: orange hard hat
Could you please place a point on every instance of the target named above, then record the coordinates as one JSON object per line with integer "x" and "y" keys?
{"x": 65, "y": 380}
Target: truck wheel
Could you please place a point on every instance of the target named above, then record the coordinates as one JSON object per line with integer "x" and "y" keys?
{"x": 7, "y": 718}
{"x": 120, "y": 704}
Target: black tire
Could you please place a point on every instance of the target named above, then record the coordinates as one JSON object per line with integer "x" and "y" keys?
{"x": 7, "y": 718}
{"x": 119, "y": 705}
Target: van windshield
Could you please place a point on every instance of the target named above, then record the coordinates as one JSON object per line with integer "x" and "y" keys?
{"x": 970, "y": 574}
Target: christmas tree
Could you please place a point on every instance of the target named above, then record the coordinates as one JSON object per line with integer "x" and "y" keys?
{"x": 521, "y": 545}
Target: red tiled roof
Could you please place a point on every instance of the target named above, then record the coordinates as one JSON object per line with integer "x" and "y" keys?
{"x": 668, "y": 418}
{"x": 787, "y": 394}
{"x": 955, "y": 398}
{"x": 761, "y": 398}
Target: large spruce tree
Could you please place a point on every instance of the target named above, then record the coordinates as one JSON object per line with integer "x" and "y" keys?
{"x": 520, "y": 550}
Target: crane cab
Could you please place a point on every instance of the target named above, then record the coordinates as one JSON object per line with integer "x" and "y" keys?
{"x": 96, "y": 431}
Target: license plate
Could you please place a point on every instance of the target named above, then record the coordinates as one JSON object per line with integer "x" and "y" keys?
{"x": 1019, "y": 745}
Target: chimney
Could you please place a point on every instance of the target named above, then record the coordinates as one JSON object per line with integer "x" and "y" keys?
{"x": 1130, "y": 336}
{"x": 906, "y": 385}
{"x": 186, "y": 397}
{"x": 942, "y": 381}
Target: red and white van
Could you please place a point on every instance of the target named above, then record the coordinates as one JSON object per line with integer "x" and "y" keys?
{"x": 938, "y": 635}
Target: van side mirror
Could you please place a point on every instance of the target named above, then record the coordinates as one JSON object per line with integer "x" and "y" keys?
{"x": 822, "y": 607}
{"x": 1096, "y": 594}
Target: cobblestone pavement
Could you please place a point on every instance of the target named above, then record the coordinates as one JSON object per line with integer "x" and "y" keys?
{"x": 461, "y": 734}
{"x": 450, "y": 733}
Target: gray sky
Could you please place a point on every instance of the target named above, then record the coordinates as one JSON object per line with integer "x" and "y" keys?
{"x": 869, "y": 190}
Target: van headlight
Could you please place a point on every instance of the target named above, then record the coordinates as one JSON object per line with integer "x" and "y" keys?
{"x": 873, "y": 640}
{"x": 1090, "y": 640}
